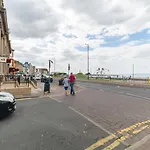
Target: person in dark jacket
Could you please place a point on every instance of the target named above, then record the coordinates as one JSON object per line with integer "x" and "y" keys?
{"x": 18, "y": 79}
{"x": 47, "y": 86}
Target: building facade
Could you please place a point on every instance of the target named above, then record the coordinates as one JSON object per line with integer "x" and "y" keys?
{"x": 5, "y": 46}
{"x": 19, "y": 66}
{"x": 29, "y": 68}
{"x": 42, "y": 70}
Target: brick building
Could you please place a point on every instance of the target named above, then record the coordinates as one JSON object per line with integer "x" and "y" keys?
{"x": 5, "y": 46}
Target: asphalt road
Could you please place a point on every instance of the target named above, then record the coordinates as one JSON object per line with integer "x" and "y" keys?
{"x": 114, "y": 108}
{"x": 117, "y": 89}
{"x": 98, "y": 117}
{"x": 45, "y": 124}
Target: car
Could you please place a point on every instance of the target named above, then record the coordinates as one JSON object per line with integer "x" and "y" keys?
{"x": 7, "y": 103}
{"x": 44, "y": 77}
{"x": 37, "y": 77}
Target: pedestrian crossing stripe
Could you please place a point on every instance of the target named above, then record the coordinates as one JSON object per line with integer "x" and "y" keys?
{"x": 122, "y": 134}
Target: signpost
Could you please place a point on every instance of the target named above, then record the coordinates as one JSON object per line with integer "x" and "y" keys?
{"x": 50, "y": 61}
{"x": 3, "y": 59}
{"x": 68, "y": 68}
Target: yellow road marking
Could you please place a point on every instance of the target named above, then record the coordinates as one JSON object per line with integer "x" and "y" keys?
{"x": 122, "y": 138}
{"x": 133, "y": 126}
{"x": 117, "y": 142}
{"x": 101, "y": 142}
{"x": 139, "y": 130}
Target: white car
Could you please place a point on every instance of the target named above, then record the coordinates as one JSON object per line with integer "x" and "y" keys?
{"x": 37, "y": 77}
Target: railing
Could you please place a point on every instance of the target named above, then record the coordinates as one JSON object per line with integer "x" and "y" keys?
{"x": 17, "y": 81}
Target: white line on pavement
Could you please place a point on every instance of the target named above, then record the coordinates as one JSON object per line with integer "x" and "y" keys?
{"x": 139, "y": 143}
{"x": 96, "y": 124}
{"x": 129, "y": 94}
{"x": 93, "y": 122}
{"x": 55, "y": 99}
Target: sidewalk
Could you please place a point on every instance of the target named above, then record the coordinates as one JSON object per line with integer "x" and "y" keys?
{"x": 55, "y": 90}
{"x": 143, "y": 144}
{"x": 35, "y": 92}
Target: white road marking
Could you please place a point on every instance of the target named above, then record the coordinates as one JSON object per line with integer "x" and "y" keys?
{"x": 93, "y": 122}
{"x": 139, "y": 143}
{"x": 96, "y": 124}
{"x": 55, "y": 99}
{"x": 129, "y": 94}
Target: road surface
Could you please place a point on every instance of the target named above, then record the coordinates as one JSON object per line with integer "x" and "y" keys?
{"x": 98, "y": 117}
{"x": 44, "y": 124}
{"x": 116, "y": 109}
{"x": 130, "y": 91}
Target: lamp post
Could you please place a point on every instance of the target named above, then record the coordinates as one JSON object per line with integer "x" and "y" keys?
{"x": 133, "y": 71}
{"x": 50, "y": 61}
{"x": 88, "y": 63}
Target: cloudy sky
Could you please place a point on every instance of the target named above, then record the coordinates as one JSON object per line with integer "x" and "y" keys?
{"x": 117, "y": 31}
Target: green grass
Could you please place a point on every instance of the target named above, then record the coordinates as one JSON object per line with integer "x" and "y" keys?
{"x": 84, "y": 78}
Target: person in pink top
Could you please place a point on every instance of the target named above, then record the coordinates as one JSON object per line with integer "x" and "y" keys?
{"x": 72, "y": 82}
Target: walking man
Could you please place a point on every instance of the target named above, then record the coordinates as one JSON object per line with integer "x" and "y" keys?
{"x": 72, "y": 82}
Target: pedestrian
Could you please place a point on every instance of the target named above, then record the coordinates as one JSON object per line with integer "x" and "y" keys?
{"x": 66, "y": 85}
{"x": 47, "y": 86}
{"x": 72, "y": 82}
{"x": 18, "y": 79}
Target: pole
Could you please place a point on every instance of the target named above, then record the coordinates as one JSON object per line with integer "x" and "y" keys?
{"x": 49, "y": 66}
{"x": 68, "y": 68}
{"x": 88, "y": 63}
{"x": 54, "y": 66}
{"x": 133, "y": 72}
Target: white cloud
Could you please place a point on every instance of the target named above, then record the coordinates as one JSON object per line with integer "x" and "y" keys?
{"x": 148, "y": 31}
{"x": 37, "y": 29}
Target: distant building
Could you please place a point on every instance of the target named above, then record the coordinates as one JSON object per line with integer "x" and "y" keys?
{"x": 19, "y": 66}
{"x": 29, "y": 68}
{"x": 5, "y": 46}
{"x": 42, "y": 70}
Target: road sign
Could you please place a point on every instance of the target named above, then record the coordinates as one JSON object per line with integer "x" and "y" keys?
{"x": 3, "y": 59}
{"x": 68, "y": 67}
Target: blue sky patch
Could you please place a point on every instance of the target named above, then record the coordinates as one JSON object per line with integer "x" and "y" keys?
{"x": 83, "y": 48}
{"x": 91, "y": 36}
{"x": 116, "y": 41}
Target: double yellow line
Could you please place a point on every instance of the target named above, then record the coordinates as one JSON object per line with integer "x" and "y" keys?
{"x": 122, "y": 134}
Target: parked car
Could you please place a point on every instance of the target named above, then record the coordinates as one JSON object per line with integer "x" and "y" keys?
{"x": 61, "y": 81}
{"x": 44, "y": 77}
{"x": 37, "y": 77}
{"x": 7, "y": 103}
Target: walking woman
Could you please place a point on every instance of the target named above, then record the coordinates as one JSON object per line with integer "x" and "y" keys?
{"x": 66, "y": 85}
{"x": 47, "y": 86}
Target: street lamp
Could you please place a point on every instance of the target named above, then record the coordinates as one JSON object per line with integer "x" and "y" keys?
{"x": 50, "y": 61}
{"x": 88, "y": 63}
